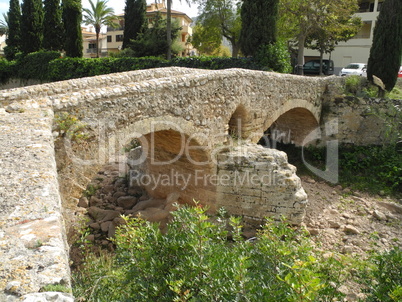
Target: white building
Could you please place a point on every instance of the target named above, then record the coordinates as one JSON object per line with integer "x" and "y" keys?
{"x": 356, "y": 50}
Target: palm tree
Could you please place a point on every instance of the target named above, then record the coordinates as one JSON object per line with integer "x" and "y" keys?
{"x": 4, "y": 25}
{"x": 99, "y": 15}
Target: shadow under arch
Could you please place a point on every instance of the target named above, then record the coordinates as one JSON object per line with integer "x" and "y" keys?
{"x": 239, "y": 123}
{"x": 291, "y": 126}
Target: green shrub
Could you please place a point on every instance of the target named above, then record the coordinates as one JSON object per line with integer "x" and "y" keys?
{"x": 274, "y": 57}
{"x": 353, "y": 84}
{"x": 6, "y": 70}
{"x": 195, "y": 261}
{"x": 383, "y": 279}
{"x": 35, "y": 65}
{"x": 70, "y": 68}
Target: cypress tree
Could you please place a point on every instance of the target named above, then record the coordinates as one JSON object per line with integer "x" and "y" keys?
{"x": 13, "y": 40}
{"x": 53, "y": 31}
{"x": 259, "y": 19}
{"x": 31, "y": 26}
{"x": 386, "y": 50}
{"x": 72, "y": 17}
{"x": 134, "y": 19}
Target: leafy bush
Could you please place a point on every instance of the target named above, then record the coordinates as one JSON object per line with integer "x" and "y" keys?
{"x": 215, "y": 63}
{"x": 195, "y": 261}
{"x": 35, "y": 65}
{"x": 383, "y": 279}
{"x": 274, "y": 57}
{"x": 6, "y": 70}
{"x": 70, "y": 68}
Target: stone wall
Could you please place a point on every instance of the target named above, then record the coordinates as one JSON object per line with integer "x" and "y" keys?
{"x": 33, "y": 249}
{"x": 359, "y": 121}
{"x": 256, "y": 182}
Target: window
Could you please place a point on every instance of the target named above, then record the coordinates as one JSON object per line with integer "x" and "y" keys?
{"x": 183, "y": 37}
{"x": 365, "y": 31}
{"x": 92, "y": 46}
{"x": 109, "y": 39}
{"x": 119, "y": 38}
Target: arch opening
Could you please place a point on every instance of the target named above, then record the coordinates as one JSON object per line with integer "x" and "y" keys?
{"x": 291, "y": 128}
{"x": 238, "y": 123}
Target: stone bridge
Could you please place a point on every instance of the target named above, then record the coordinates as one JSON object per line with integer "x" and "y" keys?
{"x": 55, "y": 137}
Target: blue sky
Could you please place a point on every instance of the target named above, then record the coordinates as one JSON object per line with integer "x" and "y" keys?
{"x": 118, "y": 6}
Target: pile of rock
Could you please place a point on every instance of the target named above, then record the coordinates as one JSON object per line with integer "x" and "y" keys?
{"x": 109, "y": 196}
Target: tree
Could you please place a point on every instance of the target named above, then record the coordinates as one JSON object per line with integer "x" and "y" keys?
{"x": 258, "y": 19}
{"x": 72, "y": 18}
{"x": 300, "y": 18}
{"x": 386, "y": 50}
{"x": 206, "y": 40}
{"x": 134, "y": 20}
{"x": 31, "y": 26}
{"x": 169, "y": 27}
{"x": 152, "y": 42}
{"x": 98, "y": 15}
{"x": 53, "y": 31}
{"x": 13, "y": 40}
{"x": 225, "y": 15}
{"x": 341, "y": 26}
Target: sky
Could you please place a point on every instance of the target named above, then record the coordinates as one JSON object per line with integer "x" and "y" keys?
{"x": 118, "y": 6}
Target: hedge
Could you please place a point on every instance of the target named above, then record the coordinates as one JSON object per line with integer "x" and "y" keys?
{"x": 49, "y": 66}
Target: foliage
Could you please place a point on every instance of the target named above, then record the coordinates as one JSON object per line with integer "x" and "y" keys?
{"x": 34, "y": 65}
{"x": 195, "y": 261}
{"x": 222, "y": 14}
{"x": 13, "y": 40}
{"x": 383, "y": 279}
{"x": 206, "y": 39}
{"x": 259, "y": 18}
{"x": 70, "y": 68}
{"x": 98, "y": 15}
{"x": 386, "y": 50}
{"x": 300, "y": 18}
{"x": 353, "y": 84}
{"x": 31, "y": 26}
{"x": 274, "y": 57}
{"x": 4, "y": 25}
{"x": 72, "y": 18}
{"x": 340, "y": 26}
{"x": 70, "y": 126}
{"x": 55, "y": 288}
{"x": 6, "y": 70}
{"x": 135, "y": 20}
{"x": 152, "y": 42}
{"x": 53, "y": 31}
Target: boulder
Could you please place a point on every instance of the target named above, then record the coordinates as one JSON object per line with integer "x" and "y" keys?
{"x": 127, "y": 202}
{"x": 102, "y": 215}
{"x": 150, "y": 203}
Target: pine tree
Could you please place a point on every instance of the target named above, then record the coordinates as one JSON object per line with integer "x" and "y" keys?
{"x": 13, "y": 40}
{"x": 53, "y": 31}
{"x": 31, "y": 26}
{"x": 386, "y": 50}
{"x": 259, "y": 19}
{"x": 72, "y": 17}
{"x": 135, "y": 20}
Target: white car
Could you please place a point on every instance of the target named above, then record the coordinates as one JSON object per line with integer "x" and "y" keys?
{"x": 354, "y": 69}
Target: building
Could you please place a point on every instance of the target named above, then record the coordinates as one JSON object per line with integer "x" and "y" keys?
{"x": 357, "y": 49}
{"x": 115, "y": 35}
{"x": 89, "y": 43}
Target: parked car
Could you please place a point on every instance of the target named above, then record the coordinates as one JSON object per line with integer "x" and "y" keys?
{"x": 400, "y": 72}
{"x": 313, "y": 67}
{"x": 354, "y": 69}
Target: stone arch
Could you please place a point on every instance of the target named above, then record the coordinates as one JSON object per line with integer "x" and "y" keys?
{"x": 173, "y": 162}
{"x": 239, "y": 122}
{"x": 292, "y": 123}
